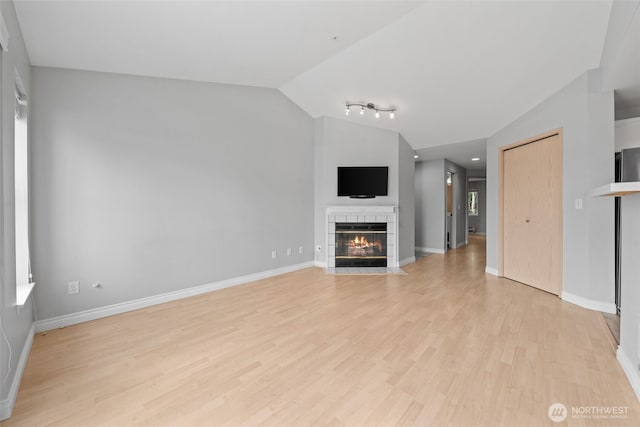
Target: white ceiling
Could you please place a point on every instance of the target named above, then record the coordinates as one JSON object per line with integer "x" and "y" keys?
{"x": 456, "y": 71}
{"x": 459, "y": 71}
{"x": 460, "y": 153}
{"x": 254, "y": 43}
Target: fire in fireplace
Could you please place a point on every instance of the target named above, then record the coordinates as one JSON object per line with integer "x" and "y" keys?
{"x": 361, "y": 244}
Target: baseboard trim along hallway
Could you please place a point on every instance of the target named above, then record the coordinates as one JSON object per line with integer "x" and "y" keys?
{"x": 492, "y": 271}
{"x": 407, "y": 261}
{"x": 430, "y": 250}
{"x": 589, "y": 304}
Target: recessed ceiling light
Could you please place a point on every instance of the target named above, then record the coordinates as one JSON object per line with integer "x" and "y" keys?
{"x": 415, "y": 156}
{"x": 475, "y": 159}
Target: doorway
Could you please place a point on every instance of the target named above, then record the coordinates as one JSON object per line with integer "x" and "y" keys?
{"x": 450, "y": 218}
{"x": 530, "y": 212}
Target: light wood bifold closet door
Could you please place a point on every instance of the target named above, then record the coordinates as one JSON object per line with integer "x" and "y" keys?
{"x": 532, "y": 203}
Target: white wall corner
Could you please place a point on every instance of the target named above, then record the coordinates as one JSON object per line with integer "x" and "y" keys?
{"x": 407, "y": 261}
{"x": 629, "y": 370}
{"x": 491, "y": 270}
{"x": 606, "y": 307}
{"x": 6, "y": 405}
{"x": 110, "y": 310}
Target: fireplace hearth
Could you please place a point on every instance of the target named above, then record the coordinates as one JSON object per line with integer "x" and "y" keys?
{"x": 361, "y": 244}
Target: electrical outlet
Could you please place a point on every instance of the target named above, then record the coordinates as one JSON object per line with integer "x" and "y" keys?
{"x": 73, "y": 287}
{"x": 288, "y": 251}
{"x": 274, "y": 254}
{"x": 300, "y": 250}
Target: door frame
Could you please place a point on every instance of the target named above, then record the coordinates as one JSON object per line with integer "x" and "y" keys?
{"x": 501, "y": 151}
{"x": 453, "y": 230}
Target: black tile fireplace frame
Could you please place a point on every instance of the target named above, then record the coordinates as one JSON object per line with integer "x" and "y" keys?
{"x": 361, "y": 244}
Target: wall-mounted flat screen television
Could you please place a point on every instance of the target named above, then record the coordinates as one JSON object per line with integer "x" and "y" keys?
{"x": 363, "y": 182}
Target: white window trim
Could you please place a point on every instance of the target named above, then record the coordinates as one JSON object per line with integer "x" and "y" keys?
{"x": 4, "y": 34}
{"x": 22, "y": 293}
{"x": 23, "y": 287}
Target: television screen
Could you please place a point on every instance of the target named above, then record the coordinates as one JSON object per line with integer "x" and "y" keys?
{"x": 363, "y": 181}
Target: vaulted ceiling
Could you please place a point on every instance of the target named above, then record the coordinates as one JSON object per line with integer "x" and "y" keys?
{"x": 455, "y": 71}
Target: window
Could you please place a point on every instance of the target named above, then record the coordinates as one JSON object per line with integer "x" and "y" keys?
{"x": 24, "y": 284}
{"x": 472, "y": 203}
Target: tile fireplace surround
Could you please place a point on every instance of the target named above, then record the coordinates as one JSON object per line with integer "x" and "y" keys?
{"x": 387, "y": 214}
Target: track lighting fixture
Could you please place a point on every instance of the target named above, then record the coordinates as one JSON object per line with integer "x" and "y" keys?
{"x": 370, "y": 106}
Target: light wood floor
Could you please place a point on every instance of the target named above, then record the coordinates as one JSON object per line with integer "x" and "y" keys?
{"x": 446, "y": 345}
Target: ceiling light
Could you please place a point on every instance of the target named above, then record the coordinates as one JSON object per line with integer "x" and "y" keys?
{"x": 370, "y": 106}
{"x": 475, "y": 159}
{"x": 415, "y": 156}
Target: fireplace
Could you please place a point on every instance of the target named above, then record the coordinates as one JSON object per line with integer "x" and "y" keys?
{"x": 361, "y": 214}
{"x": 361, "y": 244}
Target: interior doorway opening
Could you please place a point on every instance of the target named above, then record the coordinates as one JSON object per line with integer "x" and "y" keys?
{"x": 450, "y": 218}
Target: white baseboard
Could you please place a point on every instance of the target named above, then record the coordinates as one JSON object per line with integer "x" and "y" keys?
{"x": 407, "y": 261}
{"x": 629, "y": 370}
{"x": 6, "y": 405}
{"x": 477, "y": 233}
{"x": 430, "y": 250}
{"x": 607, "y": 307}
{"x": 110, "y": 310}
{"x": 491, "y": 270}
{"x": 320, "y": 264}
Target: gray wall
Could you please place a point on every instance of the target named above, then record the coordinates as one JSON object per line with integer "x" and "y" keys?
{"x": 478, "y": 221}
{"x": 630, "y": 280}
{"x": 406, "y": 201}
{"x": 343, "y": 143}
{"x": 430, "y": 206}
{"x": 586, "y": 118}
{"x": 619, "y": 66}
{"x": 459, "y": 183}
{"x": 16, "y": 322}
{"x": 151, "y": 185}
{"x": 627, "y": 133}
{"x": 630, "y": 267}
